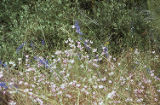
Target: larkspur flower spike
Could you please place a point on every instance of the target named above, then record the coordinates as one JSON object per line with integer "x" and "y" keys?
{"x": 42, "y": 61}
{"x": 43, "y": 42}
{"x": 20, "y": 47}
{"x": 3, "y": 84}
{"x": 78, "y": 28}
{"x": 105, "y": 49}
{"x": 0, "y": 62}
{"x": 3, "y": 64}
{"x": 86, "y": 45}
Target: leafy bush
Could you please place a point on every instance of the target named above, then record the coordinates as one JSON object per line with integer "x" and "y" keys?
{"x": 104, "y": 21}
{"x": 153, "y": 6}
{"x": 117, "y": 24}
{"x": 34, "y": 21}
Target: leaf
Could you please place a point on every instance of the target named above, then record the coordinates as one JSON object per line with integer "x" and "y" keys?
{"x": 59, "y": 2}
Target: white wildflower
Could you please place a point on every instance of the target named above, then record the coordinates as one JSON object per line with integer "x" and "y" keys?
{"x": 62, "y": 86}
{"x": 12, "y": 103}
{"x": 111, "y": 73}
{"x": 58, "y": 52}
{"x": 94, "y": 50}
{"x": 68, "y": 95}
{"x": 20, "y": 82}
{"x": 104, "y": 79}
{"x": 111, "y": 95}
{"x": 40, "y": 101}
{"x": 153, "y": 52}
{"x": 101, "y": 86}
{"x": 73, "y": 26}
{"x": 11, "y": 63}
{"x": 30, "y": 69}
{"x": 114, "y": 59}
{"x": 140, "y": 100}
{"x": 26, "y": 90}
{"x": 110, "y": 81}
{"x": 71, "y": 61}
{"x": 19, "y": 59}
{"x": 136, "y": 52}
{"x": 1, "y": 74}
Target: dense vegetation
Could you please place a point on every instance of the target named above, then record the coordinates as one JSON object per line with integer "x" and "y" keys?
{"x": 79, "y": 52}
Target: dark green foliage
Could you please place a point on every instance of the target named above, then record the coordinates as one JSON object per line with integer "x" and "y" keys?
{"x": 154, "y": 7}
{"x": 25, "y": 21}
{"x": 123, "y": 27}
{"x": 124, "y": 23}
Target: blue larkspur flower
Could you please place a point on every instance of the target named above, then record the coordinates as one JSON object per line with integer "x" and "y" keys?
{"x": 106, "y": 52}
{"x": 78, "y": 28}
{"x": 86, "y": 45}
{"x": 97, "y": 57}
{"x": 20, "y": 47}
{"x": 3, "y": 84}
{"x": 0, "y": 62}
{"x": 81, "y": 38}
{"x": 42, "y": 61}
{"x": 3, "y": 64}
{"x": 43, "y": 42}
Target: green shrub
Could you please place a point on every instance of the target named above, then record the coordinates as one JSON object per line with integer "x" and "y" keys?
{"x": 104, "y": 21}
{"x": 34, "y": 21}
{"x": 117, "y": 24}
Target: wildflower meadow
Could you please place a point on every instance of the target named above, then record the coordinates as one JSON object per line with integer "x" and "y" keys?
{"x": 79, "y": 53}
